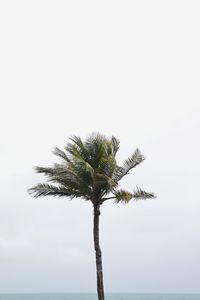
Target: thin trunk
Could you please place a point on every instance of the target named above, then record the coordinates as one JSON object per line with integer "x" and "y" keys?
{"x": 100, "y": 289}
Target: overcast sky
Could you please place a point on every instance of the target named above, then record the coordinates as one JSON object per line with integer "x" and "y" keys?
{"x": 124, "y": 68}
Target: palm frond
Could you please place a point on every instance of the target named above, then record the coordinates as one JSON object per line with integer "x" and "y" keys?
{"x": 118, "y": 173}
{"x": 123, "y": 196}
{"x": 44, "y": 189}
{"x": 135, "y": 159}
{"x": 107, "y": 165}
{"x": 61, "y": 154}
{"x": 140, "y": 194}
{"x": 83, "y": 170}
{"x": 45, "y": 170}
{"x": 73, "y": 151}
{"x": 77, "y": 140}
{"x": 97, "y": 146}
{"x": 73, "y": 179}
{"x": 79, "y": 147}
{"x": 115, "y": 145}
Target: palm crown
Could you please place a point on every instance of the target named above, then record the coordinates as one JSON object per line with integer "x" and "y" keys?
{"x": 89, "y": 170}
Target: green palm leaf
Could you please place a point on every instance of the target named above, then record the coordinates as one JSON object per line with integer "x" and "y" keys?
{"x": 140, "y": 194}
{"x": 122, "y": 196}
{"x": 61, "y": 154}
{"x": 44, "y": 189}
{"x": 115, "y": 145}
{"x": 134, "y": 160}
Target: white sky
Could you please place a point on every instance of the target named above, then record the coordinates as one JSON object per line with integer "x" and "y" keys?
{"x": 124, "y": 68}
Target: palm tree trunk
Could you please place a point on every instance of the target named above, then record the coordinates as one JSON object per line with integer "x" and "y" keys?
{"x": 100, "y": 289}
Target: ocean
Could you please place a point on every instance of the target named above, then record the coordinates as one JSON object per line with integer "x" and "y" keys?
{"x": 94, "y": 297}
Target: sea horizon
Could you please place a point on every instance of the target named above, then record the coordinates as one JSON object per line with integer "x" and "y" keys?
{"x": 93, "y": 296}
{"x": 94, "y": 293}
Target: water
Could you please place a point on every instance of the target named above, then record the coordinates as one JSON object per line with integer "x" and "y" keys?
{"x": 94, "y": 297}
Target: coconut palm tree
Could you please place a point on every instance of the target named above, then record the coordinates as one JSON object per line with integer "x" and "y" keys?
{"x": 89, "y": 170}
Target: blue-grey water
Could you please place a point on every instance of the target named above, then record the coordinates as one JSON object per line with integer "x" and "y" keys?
{"x": 94, "y": 297}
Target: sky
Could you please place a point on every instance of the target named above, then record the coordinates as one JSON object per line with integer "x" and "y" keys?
{"x": 125, "y": 68}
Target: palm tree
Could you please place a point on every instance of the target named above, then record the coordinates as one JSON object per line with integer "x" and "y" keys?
{"x": 89, "y": 170}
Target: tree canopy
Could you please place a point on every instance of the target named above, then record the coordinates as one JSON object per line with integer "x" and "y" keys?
{"x": 88, "y": 169}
